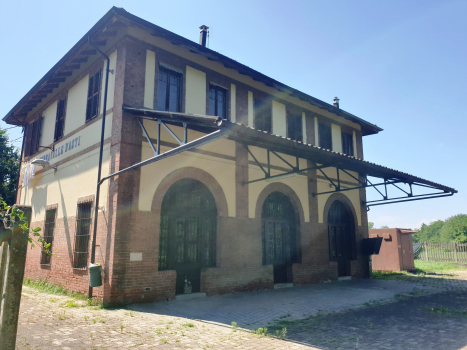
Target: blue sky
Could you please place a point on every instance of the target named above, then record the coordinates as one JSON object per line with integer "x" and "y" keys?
{"x": 398, "y": 64}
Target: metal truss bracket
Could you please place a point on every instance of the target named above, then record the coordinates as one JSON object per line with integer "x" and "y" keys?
{"x": 295, "y": 169}
{"x": 157, "y": 150}
{"x": 382, "y": 189}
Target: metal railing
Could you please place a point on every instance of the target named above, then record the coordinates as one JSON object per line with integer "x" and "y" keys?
{"x": 449, "y": 252}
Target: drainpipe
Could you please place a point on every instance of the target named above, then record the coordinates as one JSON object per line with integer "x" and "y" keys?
{"x": 99, "y": 168}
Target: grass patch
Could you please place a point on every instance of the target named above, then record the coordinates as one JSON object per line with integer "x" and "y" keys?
{"x": 45, "y": 287}
{"x": 445, "y": 310}
{"x": 430, "y": 267}
{"x": 379, "y": 275}
{"x": 422, "y": 268}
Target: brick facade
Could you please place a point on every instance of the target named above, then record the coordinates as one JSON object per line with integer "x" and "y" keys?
{"x": 123, "y": 228}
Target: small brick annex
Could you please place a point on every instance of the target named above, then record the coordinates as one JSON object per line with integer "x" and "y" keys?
{"x": 123, "y": 228}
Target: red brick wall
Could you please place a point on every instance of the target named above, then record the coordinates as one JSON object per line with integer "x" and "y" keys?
{"x": 60, "y": 271}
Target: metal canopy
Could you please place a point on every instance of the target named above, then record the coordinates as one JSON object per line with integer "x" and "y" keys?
{"x": 275, "y": 145}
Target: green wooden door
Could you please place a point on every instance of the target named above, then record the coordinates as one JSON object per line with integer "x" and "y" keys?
{"x": 279, "y": 236}
{"x": 188, "y": 232}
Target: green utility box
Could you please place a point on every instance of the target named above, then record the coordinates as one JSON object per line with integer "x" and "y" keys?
{"x": 95, "y": 279}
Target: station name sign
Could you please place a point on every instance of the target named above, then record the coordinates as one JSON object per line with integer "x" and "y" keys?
{"x": 61, "y": 149}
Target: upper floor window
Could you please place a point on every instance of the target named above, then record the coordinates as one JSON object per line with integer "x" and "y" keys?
{"x": 33, "y": 137}
{"x": 325, "y": 136}
{"x": 169, "y": 90}
{"x": 262, "y": 116}
{"x": 294, "y": 127}
{"x": 94, "y": 89}
{"x": 218, "y": 101}
{"x": 347, "y": 144}
{"x": 60, "y": 119}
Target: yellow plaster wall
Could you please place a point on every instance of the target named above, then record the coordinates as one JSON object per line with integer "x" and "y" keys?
{"x": 233, "y": 103}
{"x": 336, "y": 138}
{"x": 111, "y": 86}
{"x": 195, "y": 98}
{"x": 278, "y": 119}
{"x": 223, "y": 170}
{"x": 251, "y": 112}
{"x": 48, "y": 124}
{"x": 76, "y": 105}
{"x": 74, "y": 179}
{"x": 77, "y": 142}
{"x": 149, "y": 79}
{"x": 77, "y": 97}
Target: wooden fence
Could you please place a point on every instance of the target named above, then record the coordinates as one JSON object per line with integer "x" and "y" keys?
{"x": 453, "y": 252}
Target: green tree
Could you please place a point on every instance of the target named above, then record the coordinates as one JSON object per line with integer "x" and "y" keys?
{"x": 384, "y": 226}
{"x": 454, "y": 229}
{"x": 371, "y": 225}
{"x": 429, "y": 233}
{"x": 9, "y": 167}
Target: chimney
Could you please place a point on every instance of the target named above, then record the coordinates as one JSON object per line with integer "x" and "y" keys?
{"x": 203, "y": 33}
{"x": 335, "y": 102}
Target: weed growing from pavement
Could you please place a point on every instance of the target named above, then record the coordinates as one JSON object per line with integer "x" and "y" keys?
{"x": 445, "y": 310}
{"x": 191, "y": 325}
{"x": 70, "y": 303}
{"x": 234, "y": 326}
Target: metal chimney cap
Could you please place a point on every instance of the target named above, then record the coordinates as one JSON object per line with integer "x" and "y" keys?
{"x": 203, "y": 27}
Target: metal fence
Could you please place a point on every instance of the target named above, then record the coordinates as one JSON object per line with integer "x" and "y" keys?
{"x": 453, "y": 252}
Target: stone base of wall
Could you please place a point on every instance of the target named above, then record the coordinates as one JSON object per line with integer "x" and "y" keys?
{"x": 309, "y": 274}
{"x": 233, "y": 280}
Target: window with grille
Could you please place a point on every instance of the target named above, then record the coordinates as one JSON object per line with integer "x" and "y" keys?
{"x": 94, "y": 89}
{"x": 325, "y": 136}
{"x": 33, "y": 137}
{"x": 262, "y": 116}
{"x": 169, "y": 90}
{"x": 347, "y": 144}
{"x": 83, "y": 228}
{"x": 48, "y": 236}
{"x": 294, "y": 127}
{"x": 218, "y": 101}
{"x": 60, "y": 119}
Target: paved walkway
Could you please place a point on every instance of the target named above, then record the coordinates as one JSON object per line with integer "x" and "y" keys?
{"x": 357, "y": 314}
{"x": 256, "y": 309}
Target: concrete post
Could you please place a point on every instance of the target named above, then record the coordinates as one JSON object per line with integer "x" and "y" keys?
{"x": 455, "y": 251}
{"x": 426, "y": 251}
{"x": 13, "y": 283}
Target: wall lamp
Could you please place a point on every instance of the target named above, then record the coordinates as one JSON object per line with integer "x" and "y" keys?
{"x": 43, "y": 163}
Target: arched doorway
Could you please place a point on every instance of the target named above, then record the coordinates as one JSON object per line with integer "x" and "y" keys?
{"x": 188, "y": 232}
{"x": 279, "y": 227}
{"x": 341, "y": 231}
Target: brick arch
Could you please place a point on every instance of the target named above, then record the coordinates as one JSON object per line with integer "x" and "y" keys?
{"x": 191, "y": 173}
{"x": 284, "y": 189}
{"x": 344, "y": 199}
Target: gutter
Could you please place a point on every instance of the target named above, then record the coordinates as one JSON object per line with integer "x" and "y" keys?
{"x": 99, "y": 168}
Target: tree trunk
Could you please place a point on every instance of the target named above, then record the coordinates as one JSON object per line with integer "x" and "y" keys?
{"x": 12, "y": 284}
